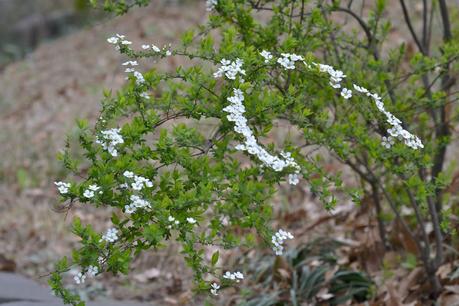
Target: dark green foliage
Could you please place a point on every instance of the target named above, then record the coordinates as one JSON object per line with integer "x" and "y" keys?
{"x": 299, "y": 280}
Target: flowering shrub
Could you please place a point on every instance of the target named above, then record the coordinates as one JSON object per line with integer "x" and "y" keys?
{"x": 204, "y": 187}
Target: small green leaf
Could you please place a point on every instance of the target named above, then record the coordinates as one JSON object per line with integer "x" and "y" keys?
{"x": 215, "y": 257}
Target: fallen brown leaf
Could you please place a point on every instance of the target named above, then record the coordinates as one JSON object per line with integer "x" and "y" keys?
{"x": 7, "y": 264}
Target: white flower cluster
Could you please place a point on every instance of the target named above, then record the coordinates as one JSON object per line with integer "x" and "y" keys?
{"x": 153, "y": 47}
{"x": 397, "y": 131}
{"x": 236, "y": 276}
{"x": 132, "y": 63}
{"x": 230, "y": 69}
{"x": 90, "y": 192}
{"x": 278, "y": 241}
{"x": 191, "y": 220}
{"x": 139, "y": 79}
{"x": 288, "y": 60}
{"x": 145, "y": 95}
{"x": 80, "y": 277}
{"x": 214, "y": 288}
{"x": 236, "y": 112}
{"x": 211, "y": 4}
{"x": 111, "y": 235}
{"x": 63, "y": 187}
{"x": 139, "y": 181}
{"x": 346, "y": 93}
{"x": 115, "y": 40}
{"x": 92, "y": 271}
{"x": 173, "y": 221}
{"x": 266, "y": 55}
{"x": 110, "y": 139}
{"x": 387, "y": 142}
{"x": 336, "y": 76}
{"x": 293, "y": 178}
{"x": 136, "y": 202}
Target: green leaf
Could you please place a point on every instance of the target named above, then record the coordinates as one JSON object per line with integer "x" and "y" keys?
{"x": 215, "y": 257}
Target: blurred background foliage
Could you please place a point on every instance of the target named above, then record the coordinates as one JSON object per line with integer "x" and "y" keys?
{"x": 27, "y": 23}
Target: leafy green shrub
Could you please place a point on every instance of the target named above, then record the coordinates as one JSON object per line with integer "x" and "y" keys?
{"x": 255, "y": 64}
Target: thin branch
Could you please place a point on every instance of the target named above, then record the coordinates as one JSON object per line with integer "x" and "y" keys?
{"x": 410, "y": 26}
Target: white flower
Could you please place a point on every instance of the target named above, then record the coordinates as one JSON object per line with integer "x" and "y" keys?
{"x": 136, "y": 202}
{"x": 92, "y": 271}
{"x": 128, "y": 174}
{"x": 139, "y": 78}
{"x": 88, "y": 193}
{"x": 230, "y": 69}
{"x": 129, "y": 209}
{"x": 155, "y": 48}
{"x": 211, "y": 4}
{"x": 335, "y": 85}
{"x": 266, "y": 55}
{"x": 63, "y": 187}
{"x": 145, "y": 95}
{"x": 79, "y": 278}
{"x": 113, "y": 40}
{"x": 229, "y": 275}
{"x": 93, "y": 187}
{"x": 145, "y": 47}
{"x": 336, "y": 76}
{"x": 237, "y": 276}
{"x": 173, "y": 221}
{"x": 286, "y": 63}
{"x": 141, "y": 182}
{"x": 139, "y": 202}
{"x": 387, "y": 142}
{"x": 288, "y": 60}
{"x": 295, "y": 57}
{"x": 293, "y": 179}
{"x": 111, "y": 235}
{"x": 129, "y": 70}
{"x": 191, "y": 220}
{"x": 360, "y": 89}
{"x": 110, "y": 139}
{"x": 126, "y": 42}
{"x": 278, "y": 240}
{"x": 346, "y": 93}
{"x": 240, "y": 147}
{"x": 168, "y": 53}
{"x": 132, "y": 63}
{"x": 214, "y": 288}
